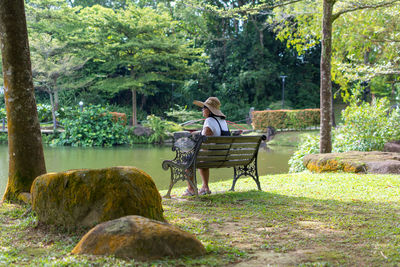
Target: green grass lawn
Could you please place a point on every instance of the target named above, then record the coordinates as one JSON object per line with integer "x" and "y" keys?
{"x": 297, "y": 220}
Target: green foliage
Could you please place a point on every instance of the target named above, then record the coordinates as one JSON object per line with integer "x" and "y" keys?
{"x": 308, "y": 145}
{"x": 181, "y": 114}
{"x": 94, "y": 126}
{"x": 367, "y": 127}
{"x": 278, "y": 105}
{"x": 44, "y": 113}
{"x": 3, "y": 113}
{"x": 3, "y": 138}
{"x": 160, "y": 128}
{"x": 285, "y": 119}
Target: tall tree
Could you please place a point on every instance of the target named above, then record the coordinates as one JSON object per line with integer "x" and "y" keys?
{"x": 304, "y": 23}
{"x": 51, "y": 61}
{"x": 26, "y": 159}
{"x": 139, "y": 48}
{"x": 325, "y": 145}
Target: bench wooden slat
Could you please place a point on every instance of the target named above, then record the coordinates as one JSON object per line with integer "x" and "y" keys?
{"x": 221, "y": 152}
{"x": 223, "y": 157}
{"x": 227, "y": 146}
{"x": 243, "y": 151}
{"x": 213, "y": 152}
{"x": 232, "y": 139}
{"x": 222, "y": 164}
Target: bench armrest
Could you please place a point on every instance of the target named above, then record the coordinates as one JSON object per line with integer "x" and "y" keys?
{"x": 183, "y": 159}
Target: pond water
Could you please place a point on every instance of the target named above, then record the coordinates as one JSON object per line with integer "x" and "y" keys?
{"x": 146, "y": 157}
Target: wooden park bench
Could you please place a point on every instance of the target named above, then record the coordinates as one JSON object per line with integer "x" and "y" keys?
{"x": 239, "y": 152}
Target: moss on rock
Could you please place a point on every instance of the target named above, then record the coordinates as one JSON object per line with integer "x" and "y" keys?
{"x": 84, "y": 198}
{"x": 139, "y": 238}
{"x": 354, "y": 162}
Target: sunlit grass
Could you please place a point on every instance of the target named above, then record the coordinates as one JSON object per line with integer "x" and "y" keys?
{"x": 304, "y": 219}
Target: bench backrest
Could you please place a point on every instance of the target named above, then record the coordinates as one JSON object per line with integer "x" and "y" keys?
{"x": 227, "y": 151}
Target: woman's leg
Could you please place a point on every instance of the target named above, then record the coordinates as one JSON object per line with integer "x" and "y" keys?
{"x": 190, "y": 189}
{"x": 205, "y": 176}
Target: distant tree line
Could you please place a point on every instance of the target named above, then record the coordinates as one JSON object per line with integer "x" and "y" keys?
{"x": 160, "y": 53}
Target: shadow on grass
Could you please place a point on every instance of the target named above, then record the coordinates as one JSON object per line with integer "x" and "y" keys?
{"x": 356, "y": 232}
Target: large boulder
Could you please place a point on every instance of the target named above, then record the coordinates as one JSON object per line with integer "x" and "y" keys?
{"x": 181, "y": 134}
{"x": 355, "y": 162}
{"x": 392, "y": 147}
{"x": 138, "y": 238}
{"x": 84, "y": 198}
{"x": 140, "y": 130}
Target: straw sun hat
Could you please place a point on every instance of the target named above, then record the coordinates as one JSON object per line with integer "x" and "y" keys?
{"x": 213, "y": 104}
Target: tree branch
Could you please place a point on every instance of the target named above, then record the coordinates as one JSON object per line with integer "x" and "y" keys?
{"x": 360, "y": 6}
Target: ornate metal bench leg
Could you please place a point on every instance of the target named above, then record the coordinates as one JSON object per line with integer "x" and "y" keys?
{"x": 256, "y": 179}
{"x": 258, "y": 183}
{"x": 235, "y": 178}
{"x": 171, "y": 184}
{"x": 194, "y": 182}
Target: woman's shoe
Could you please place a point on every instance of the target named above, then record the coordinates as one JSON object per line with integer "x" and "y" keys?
{"x": 204, "y": 191}
{"x": 187, "y": 193}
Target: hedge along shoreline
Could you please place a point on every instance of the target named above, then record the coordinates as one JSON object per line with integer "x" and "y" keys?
{"x": 299, "y": 119}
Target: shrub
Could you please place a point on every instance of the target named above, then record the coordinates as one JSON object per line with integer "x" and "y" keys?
{"x": 3, "y": 114}
{"x": 308, "y": 145}
{"x": 94, "y": 126}
{"x": 3, "y": 138}
{"x": 367, "y": 127}
{"x": 44, "y": 113}
{"x": 160, "y": 128}
{"x": 285, "y": 119}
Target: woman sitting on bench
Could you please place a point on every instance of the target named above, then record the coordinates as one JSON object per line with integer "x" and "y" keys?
{"x": 214, "y": 125}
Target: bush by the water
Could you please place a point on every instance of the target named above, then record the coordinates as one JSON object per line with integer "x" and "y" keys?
{"x": 44, "y": 113}
{"x": 93, "y": 126}
{"x": 365, "y": 127}
{"x": 309, "y": 145}
{"x": 285, "y": 119}
{"x": 160, "y": 129}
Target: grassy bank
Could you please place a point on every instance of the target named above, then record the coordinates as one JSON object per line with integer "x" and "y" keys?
{"x": 299, "y": 219}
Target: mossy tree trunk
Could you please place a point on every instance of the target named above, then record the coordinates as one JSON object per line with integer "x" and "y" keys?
{"x": 26, "y": 159}
{"x": 326, "y": 83}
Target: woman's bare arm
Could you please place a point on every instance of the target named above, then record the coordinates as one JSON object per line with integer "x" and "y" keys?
{"x": 208, "y": 131}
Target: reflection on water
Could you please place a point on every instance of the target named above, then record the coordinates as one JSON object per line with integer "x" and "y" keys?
{"x": 145, "y": 157}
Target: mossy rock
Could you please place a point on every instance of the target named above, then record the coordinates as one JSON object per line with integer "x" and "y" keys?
{"x": 84, "y": 198}
{"x": 354, "y": 162}
{"x": 139, "y": 238}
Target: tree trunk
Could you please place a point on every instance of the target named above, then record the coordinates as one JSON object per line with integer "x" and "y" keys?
{"x": 326, "y": 83}
{"x": 143, "y": 102}
{"x": 134, "y": 110}
{"x": 56, "y": 101}
{"x": 53, "y": 111}
{"x": 26, "y": 159}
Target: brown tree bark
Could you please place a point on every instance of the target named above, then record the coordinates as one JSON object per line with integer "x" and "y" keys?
{"x": 26, "y": 159}
{"x": 134, "y": 110}
{"x": 325, "y": 145}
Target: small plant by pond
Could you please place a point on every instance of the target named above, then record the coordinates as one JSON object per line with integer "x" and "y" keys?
{"x": 92, "y": 126}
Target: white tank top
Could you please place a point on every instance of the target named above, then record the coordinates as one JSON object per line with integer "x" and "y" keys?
{"x": 213, "y": 125}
